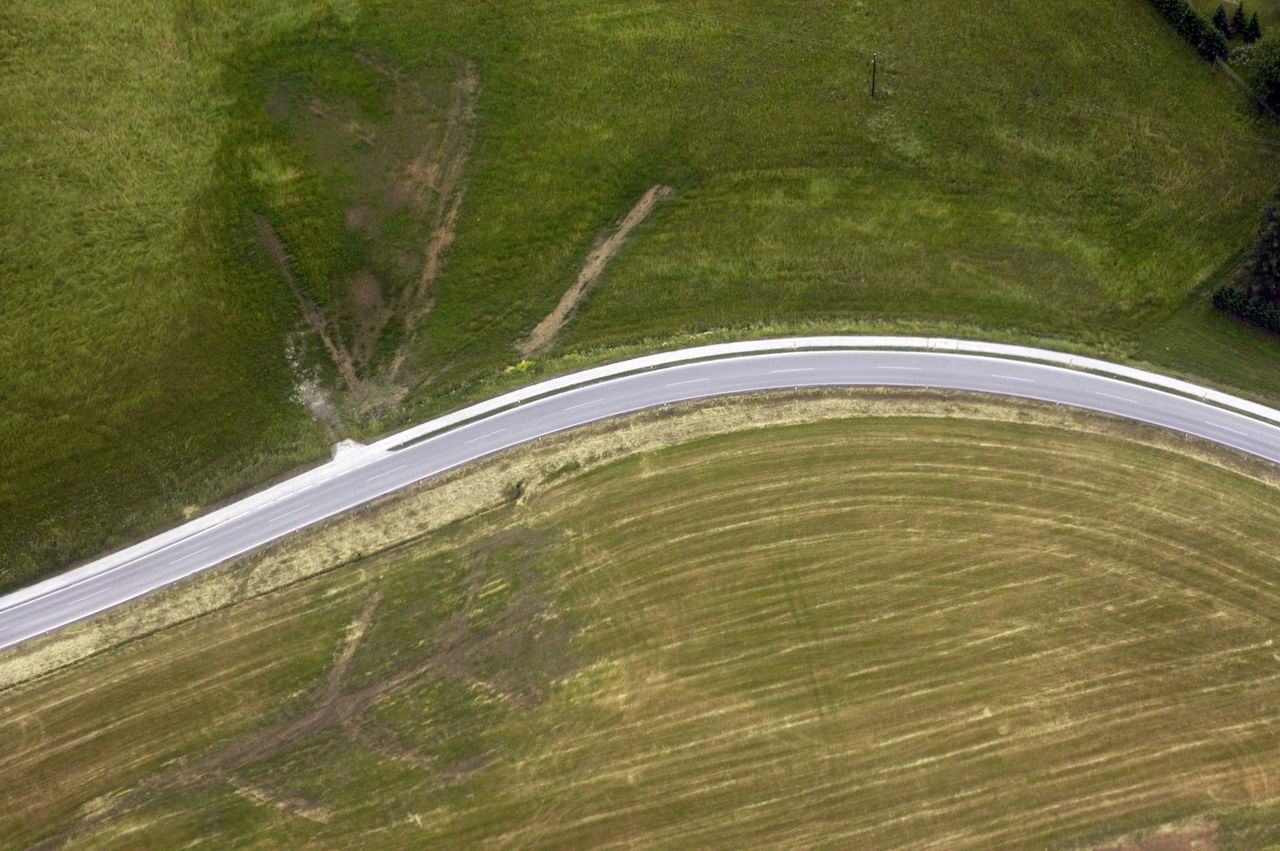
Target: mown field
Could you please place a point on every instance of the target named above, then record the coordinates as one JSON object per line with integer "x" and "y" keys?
{"x": 874, "y": 632}
{"x": 234, "y": 232}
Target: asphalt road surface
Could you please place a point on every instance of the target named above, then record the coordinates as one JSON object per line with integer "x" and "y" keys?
{"x": 22, "y": 618}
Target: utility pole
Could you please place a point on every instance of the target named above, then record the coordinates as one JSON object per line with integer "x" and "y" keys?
{"x": 873, "y": 73}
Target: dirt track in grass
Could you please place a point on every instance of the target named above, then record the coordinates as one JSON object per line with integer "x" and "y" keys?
{"x": 546, "y": 331}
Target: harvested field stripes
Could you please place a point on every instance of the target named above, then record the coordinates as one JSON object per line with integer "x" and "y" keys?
{"x": 882, "y": 632}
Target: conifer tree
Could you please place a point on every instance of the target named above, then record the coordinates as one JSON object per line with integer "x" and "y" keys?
{"x": 1254, "y": 31}
{"x": 1238, "y": 20}
{"x": 1220, "y": 21}
{"x": 1194, "y": 27}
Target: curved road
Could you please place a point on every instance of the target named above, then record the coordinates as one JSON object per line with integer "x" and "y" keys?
{"x": 372, "y": 472}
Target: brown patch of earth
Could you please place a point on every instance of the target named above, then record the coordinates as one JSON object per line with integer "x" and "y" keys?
{"x": 442, "y": 173}
{"x": 544, "y": 334}
{"x": 426, "y": 185}
{"x": 370, "y": 314}
{"x": 362, "y": 219}
{"x": 350, "y": 126}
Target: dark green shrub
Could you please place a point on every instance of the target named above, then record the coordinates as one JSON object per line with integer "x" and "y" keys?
{"x": 1238, "y": 303}
{"x": 1259, "y": 64}
{"x": 1262, "y": 279}
{"x": 1258, "y": 299}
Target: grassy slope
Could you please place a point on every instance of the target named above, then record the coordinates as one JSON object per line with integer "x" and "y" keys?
{"x": 961, "y": 198}
{"x": 140, "y": 373}
{"x": 1009, "y": 182}
{"x": 871, "y": 632}
{"x": 1197, "y": 340}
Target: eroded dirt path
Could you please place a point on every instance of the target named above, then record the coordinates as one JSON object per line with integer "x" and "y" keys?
{"x": 442, "y": 173}
{"x": 316, "y": 319}
{"x": 409, "y": 175}
{"x": 546, "y": 331}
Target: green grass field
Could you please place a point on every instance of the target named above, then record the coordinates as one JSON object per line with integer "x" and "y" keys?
{"x": 873, "y": 632}
{"x": 223, "y": 219}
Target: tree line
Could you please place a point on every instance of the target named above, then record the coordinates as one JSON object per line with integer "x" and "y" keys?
{"x": 1255, "y": 296}
{"x": 1191, "y": 25}
{"x": 1210, "y": 37}
{"x": 1238, "y": 25}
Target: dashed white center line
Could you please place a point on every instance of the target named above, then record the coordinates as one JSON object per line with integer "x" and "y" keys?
{"x": 195, "y": 553}
{"x": 689, "y": 381}
{"x": 89, "y": 596}
{"x": 1233, "y": 430}
{"x": 1110, "y": 395}
{"x": 581, "y": 405}
{"x": 483, "y": 436}
{"x": 798, "y": 369}
{"x": 289, "y": 513}
{"x": 1013, "y": 378}
{"x": 907, "y": 368}
{"x": 383, "y": 475}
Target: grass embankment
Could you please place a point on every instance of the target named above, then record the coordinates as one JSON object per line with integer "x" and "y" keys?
{"x": 141, "y": 372}
{"x": 217, "y": 213}
{"x": 874, "y": 632}
{"x": 1197, "y": 340}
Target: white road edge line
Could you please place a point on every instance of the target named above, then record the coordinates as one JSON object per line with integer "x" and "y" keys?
{"x": 743, "y": 348}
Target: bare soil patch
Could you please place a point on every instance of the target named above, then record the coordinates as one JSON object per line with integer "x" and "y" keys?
{"x": 545, "y": 332}
{"x": 370, "y": 314}
{"x": 439, "y": 172}
{"x": 406, "y": 179}
{"x": 362, "y": 219}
